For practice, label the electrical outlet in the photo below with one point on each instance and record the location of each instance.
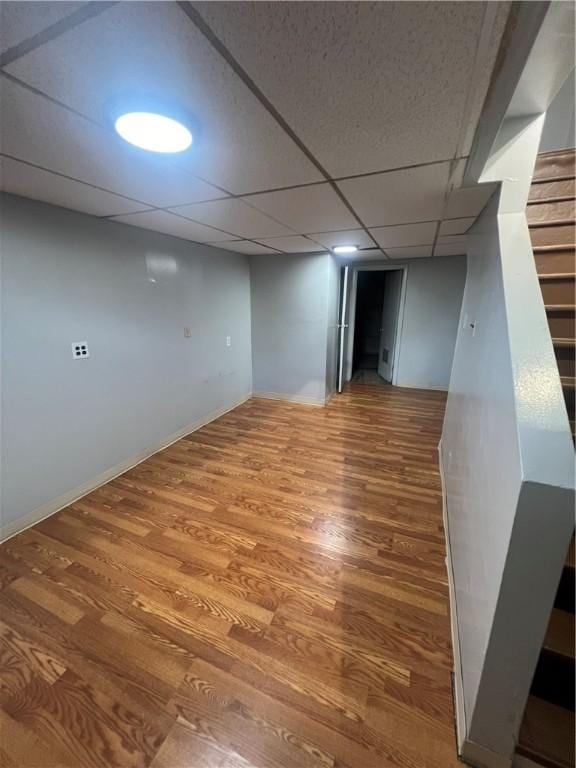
(187, 332)
(80, 350)
(228, 341)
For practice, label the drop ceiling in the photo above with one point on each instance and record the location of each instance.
(315, 123)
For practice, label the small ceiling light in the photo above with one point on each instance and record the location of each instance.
(153, 132)
(342, 249)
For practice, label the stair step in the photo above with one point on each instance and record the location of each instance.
(569, 382)
(552, 166)
(547, 223)
(561, 321)
(547, 734)
(548, 247)
(559, 342)
(552, 259)
(552, 190)
(551, 214)
(557, 289)
(557, 276)
(560, 634)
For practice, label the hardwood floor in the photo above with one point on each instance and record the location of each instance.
(269, 591)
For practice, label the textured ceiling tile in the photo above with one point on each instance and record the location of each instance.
(307, 209)
(399, 197)
(21, 20)
(26, 181)
(346, 237)
(169, 224)
(36, 130)
(411, 252)
(247, 248)
(295, 244)
(235, 216)
(456, 226)
(405, 234)
(468, 201)
(390, 80)
(153, 47)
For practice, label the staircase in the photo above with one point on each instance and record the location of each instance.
(547, 733)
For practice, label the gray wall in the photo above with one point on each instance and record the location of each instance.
(431, 312)
(507, 460)
(558, 130)
(129, 293)
(290, 317)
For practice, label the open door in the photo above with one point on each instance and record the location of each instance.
(342, 325)
(392, 291)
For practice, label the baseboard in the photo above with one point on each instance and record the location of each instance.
(291, 398)
(470, 752)
(459, 710)
(480, 757)
(421, 386)
(55, 505)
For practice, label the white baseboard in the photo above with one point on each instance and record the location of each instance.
(480, 757)
(55, 505)
(459, 710)
(291, 398)
(420, 386)
(472, 753)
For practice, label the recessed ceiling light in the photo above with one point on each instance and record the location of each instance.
(154, 132)
(345, 249)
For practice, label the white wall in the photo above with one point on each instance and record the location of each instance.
(129, 293)
(434, 291)
(506, 456)
(290, 316)
(559, 127)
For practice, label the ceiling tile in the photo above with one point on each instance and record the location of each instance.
(295, 244)
(19, 21)
(468, 201)
(456, 226)
(345, 237)
(246, 247)
(169, 224)
(411, 252)
(306, 209)
(36, 130)
(399, 197)
(405, 234)
(235, 216)
(153, 46)
(27, 181)
(384, 93)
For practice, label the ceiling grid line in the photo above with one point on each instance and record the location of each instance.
(79, 16)
(196, 18)
(389, 211)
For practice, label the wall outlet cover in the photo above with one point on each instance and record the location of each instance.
(80, 350)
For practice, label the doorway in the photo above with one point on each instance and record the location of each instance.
(374, 319)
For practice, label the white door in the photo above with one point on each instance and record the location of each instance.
(342, 325)
(390, 307)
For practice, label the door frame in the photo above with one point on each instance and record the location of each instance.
(350, 335)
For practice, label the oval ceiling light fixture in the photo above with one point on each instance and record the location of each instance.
(344, 249)
(153, 132)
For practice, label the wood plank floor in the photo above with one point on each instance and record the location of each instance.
(269, 591)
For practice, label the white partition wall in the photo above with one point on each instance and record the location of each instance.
(507, 461)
